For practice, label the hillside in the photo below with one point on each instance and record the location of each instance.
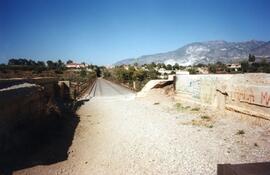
(206, 52)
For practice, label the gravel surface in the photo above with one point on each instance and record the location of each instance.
(151, 135)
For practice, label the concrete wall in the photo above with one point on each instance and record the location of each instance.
(242, 93)
(153, 84)
(26, 108)
(4, 83)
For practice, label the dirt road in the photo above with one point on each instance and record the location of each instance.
(121, 134)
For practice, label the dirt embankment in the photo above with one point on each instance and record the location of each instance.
(31, 118)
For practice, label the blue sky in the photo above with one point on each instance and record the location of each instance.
(105, 31)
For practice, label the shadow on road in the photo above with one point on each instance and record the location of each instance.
(45, 142)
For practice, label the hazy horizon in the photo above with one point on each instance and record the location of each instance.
(104, 32)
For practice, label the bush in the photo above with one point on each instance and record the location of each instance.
(240, 132)
(192, 70)
(212, 68)
(58, 71)
(83, 73)
(38, 70)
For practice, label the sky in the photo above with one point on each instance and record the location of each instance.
(105, 31)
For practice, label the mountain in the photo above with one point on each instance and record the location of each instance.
(206, 52)
(262, 50)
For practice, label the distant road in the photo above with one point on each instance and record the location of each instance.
(105, 88)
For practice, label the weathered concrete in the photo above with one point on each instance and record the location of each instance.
(26, 108)
(153, 84)
(4, 83)
(16, 107)
(242, 93)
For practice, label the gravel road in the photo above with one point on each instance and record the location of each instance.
(121, 134)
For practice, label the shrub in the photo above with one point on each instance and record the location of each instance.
(195, 109)
(240, 132)
(205, 117)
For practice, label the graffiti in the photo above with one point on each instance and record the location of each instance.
(243, 95)
(189, 85)
(239, 93)
(195, 87)
(251, 94)
(200, 88)
(265, 98)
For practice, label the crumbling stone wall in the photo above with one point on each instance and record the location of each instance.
(28, 108)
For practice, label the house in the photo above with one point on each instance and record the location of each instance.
(76, 66)
(182, 72)
(163, 71)
(203, 70)
(234, 67)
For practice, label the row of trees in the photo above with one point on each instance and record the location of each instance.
(131, 74)
(31, 63)
(153, 65)
(252, 66)
(262, 66)
(247, 66)
(23, 64)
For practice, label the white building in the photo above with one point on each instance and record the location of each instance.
(234, 67)
(76, 65)
(163, 71)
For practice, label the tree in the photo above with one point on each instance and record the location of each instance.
(41, 63)
(162, 65)
(51, 64)
(244, 66)
(152, 65)
(31, 63)
(201, 65)
(60, 65)
(98, 72)
(152, 74)
(169, 67)
(219, 63)
(83, 73)
(159, 65)
(23, 62)
(106, 73)
(251, 58)
(139, 75)
(176, 66)
(69, 62)
(136, 64)
(265, 66)
(13, 61)
(192, 70)
(212, 68)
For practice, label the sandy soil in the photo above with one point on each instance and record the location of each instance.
(154, 135)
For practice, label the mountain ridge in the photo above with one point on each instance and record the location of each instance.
(205, 52)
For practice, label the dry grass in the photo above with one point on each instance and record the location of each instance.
(180, 107)
(205, 117)
(195, 109)
(240, 132)
(203, 121)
